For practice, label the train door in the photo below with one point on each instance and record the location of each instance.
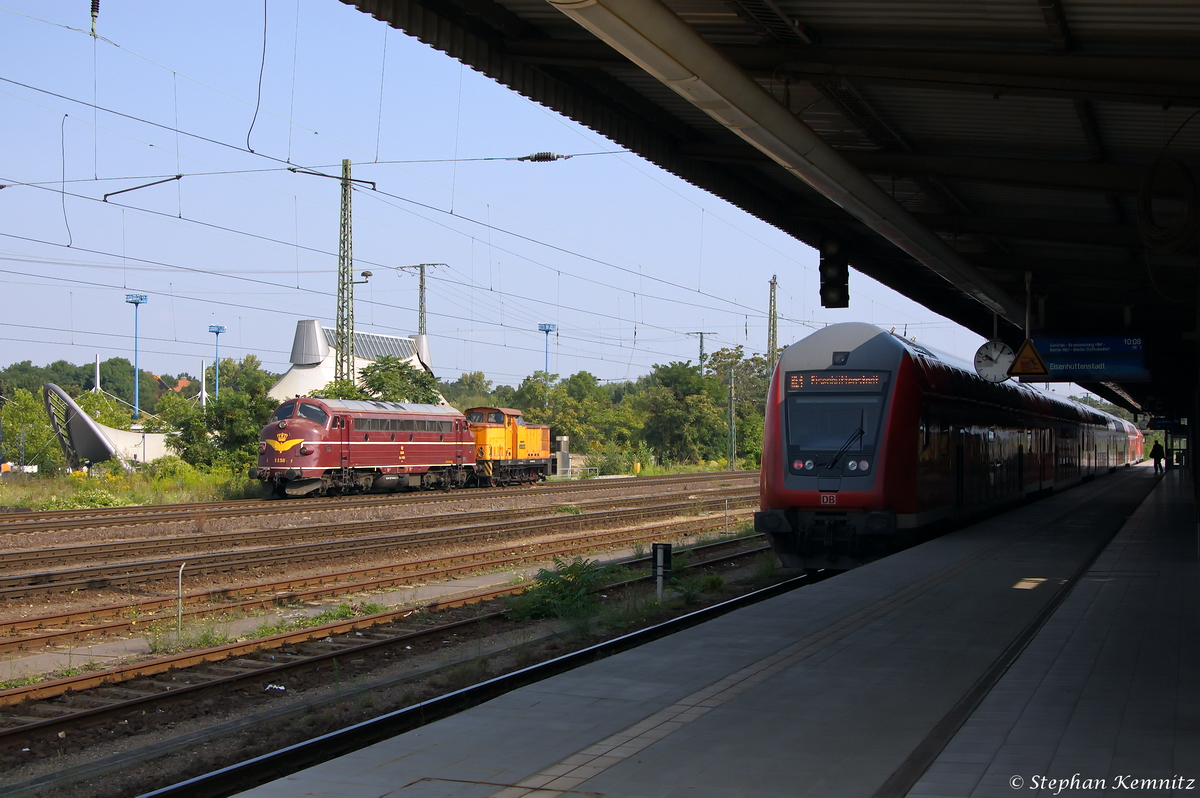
(346, 426)
(459, 442)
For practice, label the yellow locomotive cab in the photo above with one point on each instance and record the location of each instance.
(508, 450)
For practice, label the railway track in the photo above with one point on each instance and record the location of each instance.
(26, 634)
(380, 538)
(16, 523)
(45, 719)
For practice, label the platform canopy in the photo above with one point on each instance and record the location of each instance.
(954, 149)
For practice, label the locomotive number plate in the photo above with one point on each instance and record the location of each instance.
(828, 498)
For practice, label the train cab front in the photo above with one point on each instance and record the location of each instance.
(823, 501)
(290, 449)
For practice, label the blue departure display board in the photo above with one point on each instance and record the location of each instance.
(1098, 359)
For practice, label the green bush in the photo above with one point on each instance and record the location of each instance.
(82, 499)
(565, 592)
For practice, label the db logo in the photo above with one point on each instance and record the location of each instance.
(828, 498)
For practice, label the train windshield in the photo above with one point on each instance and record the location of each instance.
(284, 411)
(827, 422)
(313, 413)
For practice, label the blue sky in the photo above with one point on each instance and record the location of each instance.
(624, 258)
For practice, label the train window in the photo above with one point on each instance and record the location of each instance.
(495, 418)
(475, 417)
(827, 422)
(991, 434)
(360, 424)
(284, 411)
(313, 413)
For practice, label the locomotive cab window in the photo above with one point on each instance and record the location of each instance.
(284, 411)
(834, 412)
(313, 413)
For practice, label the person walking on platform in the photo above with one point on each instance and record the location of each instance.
(1158, 454)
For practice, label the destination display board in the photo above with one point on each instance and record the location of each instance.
(1095, 359)
(836, 381)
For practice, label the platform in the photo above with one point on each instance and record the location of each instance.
(881, 681)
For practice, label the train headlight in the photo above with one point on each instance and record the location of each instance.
(304, 450)
(809, 465)
(852, 465)
(797, 465)
(863, 465)
(262, 448)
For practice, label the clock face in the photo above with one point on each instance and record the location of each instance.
(993, 361)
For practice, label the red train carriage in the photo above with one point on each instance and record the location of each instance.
(322, 446)
(872, 443)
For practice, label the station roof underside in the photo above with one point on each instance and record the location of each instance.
(1005, 140)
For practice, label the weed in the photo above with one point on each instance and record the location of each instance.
(636, 606)
(461, 675)
(77, 670)
(569, 509)
(639, 550)
(163, 637)
(765, 565)
(23, 681)
(341, 612)
(565, 592)
(690, 589)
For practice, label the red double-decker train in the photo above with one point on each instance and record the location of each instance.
(873, 443)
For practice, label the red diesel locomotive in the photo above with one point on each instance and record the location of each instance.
(328, 446)
(871, 443)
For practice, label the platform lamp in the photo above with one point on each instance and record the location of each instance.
(135, 300)
(216, 330)
(547, 329)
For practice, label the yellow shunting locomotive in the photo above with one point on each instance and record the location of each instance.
(507, 449)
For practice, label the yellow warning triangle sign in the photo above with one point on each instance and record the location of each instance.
(1028, 362)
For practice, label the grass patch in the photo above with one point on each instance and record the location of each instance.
(634, 607)
(164, 637)
(165, 481)
(342, 612)
(570, 509)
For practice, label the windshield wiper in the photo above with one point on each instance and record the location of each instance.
(856, 435)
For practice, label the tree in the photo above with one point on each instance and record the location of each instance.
(104, 410)
(533, 394)
(751, 381)
(25, 432)
(683, 423)
(225, 434)
(388, 379)
(682, 428)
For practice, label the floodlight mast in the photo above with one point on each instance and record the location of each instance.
(136, 300)
(216, 330)
(547, 329)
